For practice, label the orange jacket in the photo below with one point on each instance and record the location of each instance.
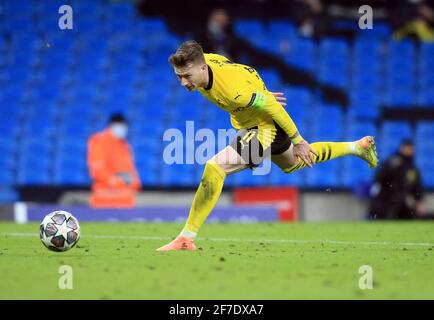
(108, 156)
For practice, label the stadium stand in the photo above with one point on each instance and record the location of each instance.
(59, 86)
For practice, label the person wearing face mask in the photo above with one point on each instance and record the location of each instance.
(111, 166)
(397, 191)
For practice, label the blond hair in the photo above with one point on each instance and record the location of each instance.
(188, 52)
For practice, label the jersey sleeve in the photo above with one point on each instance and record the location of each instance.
(96, 160)
(263, 101)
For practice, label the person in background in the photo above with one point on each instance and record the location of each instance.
(217, 35)
(315, 20)
(111, 166)
(397, 190)
(413, 19)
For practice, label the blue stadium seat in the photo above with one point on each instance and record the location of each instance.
(248, 28)
(11, 7)
(367, 96)
(149, 165)
(404, 97)
(9, 127)
(8, 159)
(39, 127)
(33, 145)
(7, 177)
(401, 49)
(144, 147)
(425, 129)
(34, 171)
(427, 50)
(302, 54)
(71, 147)
(246, 178)
(424, 145)
(71, 175)
(333, 48)
(152, 25)
(355, 129)
(397, 81)
(428, 177)
(323, 175)
(426, 97)
(270, 77)
(425, 163)
(355, 171)
(365, 79)
(336, 77)
(396, 129)
(278, 177)
(426, 78)
(380, 30)
(8, 194)
(73, 128)
(281, 28)
(112, 57)
(364, 110)
(298, 97)
(321, 130)
(178, 175)
(364, 49)
(148, 178)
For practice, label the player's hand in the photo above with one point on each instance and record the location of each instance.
(126, 177)
(280, 97)
(304, 151)
(115, 182)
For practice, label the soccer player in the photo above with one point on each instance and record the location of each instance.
(264, 129)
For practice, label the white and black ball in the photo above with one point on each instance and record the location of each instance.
(59, 231)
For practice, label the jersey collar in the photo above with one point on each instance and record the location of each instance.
(211, 78)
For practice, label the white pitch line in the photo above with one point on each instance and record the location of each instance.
(292, 241)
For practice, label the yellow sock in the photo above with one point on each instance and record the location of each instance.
(326, 151)
(205, 199)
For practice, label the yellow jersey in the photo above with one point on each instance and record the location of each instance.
(239, 90)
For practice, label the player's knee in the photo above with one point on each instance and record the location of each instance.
(227, 168)
(288, 167)
(287, 170)
(216, 165)
(212, 162)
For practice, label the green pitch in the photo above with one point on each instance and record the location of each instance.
(235, 261)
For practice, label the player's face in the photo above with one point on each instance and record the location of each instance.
(191, 76)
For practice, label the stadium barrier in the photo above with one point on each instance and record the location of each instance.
(247, 213)
(285, 198)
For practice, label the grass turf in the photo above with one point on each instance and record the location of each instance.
(235, 261)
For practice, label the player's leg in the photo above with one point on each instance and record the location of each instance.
(226, 162)
(363, 148)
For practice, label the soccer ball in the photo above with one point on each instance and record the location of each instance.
(59, 231)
